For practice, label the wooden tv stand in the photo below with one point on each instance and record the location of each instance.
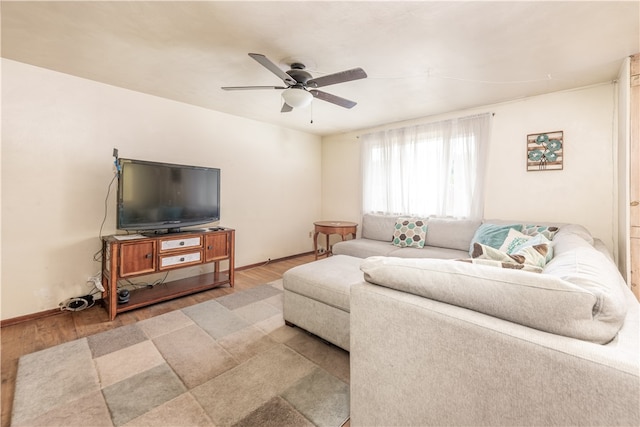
(124, 258)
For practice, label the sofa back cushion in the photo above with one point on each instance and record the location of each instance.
(451, 233)
(441, 232)
(378, 227)
(582, 299)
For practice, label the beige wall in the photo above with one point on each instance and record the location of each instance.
(58, 133)
(583, 192)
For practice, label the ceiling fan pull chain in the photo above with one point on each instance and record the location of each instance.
(311, 113)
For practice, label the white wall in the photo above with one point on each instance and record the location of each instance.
(583, 192)
(58, 133)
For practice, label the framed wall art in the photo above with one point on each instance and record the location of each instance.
(545, 151)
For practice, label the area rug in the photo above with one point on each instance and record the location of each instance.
(225, 362)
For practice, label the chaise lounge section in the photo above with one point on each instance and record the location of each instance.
(424, 354)
(317, 297)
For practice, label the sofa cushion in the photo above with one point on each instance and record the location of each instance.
(409, 232)
(363, 248)
(450, 233)
(574, 230)
(566, 240)
(378, 227)
(585, 302)
(427, 252)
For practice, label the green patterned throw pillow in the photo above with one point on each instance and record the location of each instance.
(410, 233)
(534, 230)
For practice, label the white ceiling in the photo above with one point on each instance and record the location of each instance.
(422, 58)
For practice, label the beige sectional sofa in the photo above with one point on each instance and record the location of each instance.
(436, 341)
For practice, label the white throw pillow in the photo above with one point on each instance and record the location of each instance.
(514, 239)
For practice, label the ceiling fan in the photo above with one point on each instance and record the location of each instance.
(300, 87)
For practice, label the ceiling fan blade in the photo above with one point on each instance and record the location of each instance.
(333, 99)
(266, 63)
(251, 87)
(343, 76)
(286, 108)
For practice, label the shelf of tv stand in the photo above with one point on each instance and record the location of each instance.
(145, 296)
(124, 259)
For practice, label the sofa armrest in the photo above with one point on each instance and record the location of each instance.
(415, 361)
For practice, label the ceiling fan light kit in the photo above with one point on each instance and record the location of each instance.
(296, 94)
(297, 97)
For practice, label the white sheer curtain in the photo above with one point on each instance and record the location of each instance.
(430, 169)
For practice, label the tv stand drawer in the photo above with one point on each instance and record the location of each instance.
(175, 244)
(180, 260)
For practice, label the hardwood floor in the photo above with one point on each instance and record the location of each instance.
(38, 334)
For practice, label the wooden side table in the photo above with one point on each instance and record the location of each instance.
(343, 228)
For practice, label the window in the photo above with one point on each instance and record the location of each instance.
(431, 169)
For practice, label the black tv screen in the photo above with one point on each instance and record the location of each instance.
(158, 196)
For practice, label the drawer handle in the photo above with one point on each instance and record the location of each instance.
(182, 259)
(181, 243)
(635, 203)
(148, 255)
(209, 247)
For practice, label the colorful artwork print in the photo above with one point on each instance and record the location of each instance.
(545, 151)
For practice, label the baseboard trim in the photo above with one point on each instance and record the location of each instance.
(260, 264)
(55, 311)
(27, 317)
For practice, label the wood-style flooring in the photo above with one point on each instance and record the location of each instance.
(38, 334)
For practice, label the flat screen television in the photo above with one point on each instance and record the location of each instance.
(164, 196)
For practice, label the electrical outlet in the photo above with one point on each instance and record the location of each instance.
(310, 234)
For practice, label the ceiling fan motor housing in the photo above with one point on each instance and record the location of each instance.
(298, 74)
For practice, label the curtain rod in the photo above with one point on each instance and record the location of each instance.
(429, 123)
